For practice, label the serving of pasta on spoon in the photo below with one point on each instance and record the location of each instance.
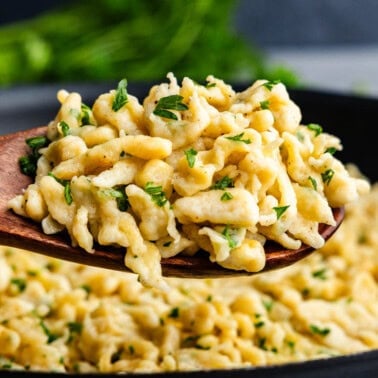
(193, 181)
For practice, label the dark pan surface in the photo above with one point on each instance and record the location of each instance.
(354, 119)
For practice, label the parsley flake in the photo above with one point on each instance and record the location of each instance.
(120, 97)
(191, 156)
(86, 115)
(174, 313)
(331, 150)
(238, 138)
(280, 210)
(227, 234)
(327, 176)
(264, 104)
(319, 331)
(313, 182)
(223, 183)
(156, 193)
(28, 163)
(64, 127)
(50, 336)
(67, 188)
(317, 129)
(226, 196)
(320, 274)
(270, 84)
(20, 283)
(168, 103)
(118, 192)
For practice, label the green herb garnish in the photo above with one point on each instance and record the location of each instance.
(327, 176)
(238, 138)
(320, 274)
(232, 243)
(86, 115)
(120, 97)
(280, 210)
(270, 84)
(319, 331)
(64, 127)
(67, 188)
(50, 336)
(74, 328)
(331, 150)
(166, 104)
(223, 183)
(264, 104)
(20, 283)
(317, 129)
(118, 192)
(28, 163)
(191, 156)
(174, 313)
(156, 193)
(313, 182)
(226, 196)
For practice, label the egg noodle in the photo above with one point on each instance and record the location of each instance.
(212, 169)
(63, 317)
(194, 167)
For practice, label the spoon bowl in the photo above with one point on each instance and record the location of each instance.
(20, 232)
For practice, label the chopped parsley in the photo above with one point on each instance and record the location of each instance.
(264, 104)
(327, 176)
(120, 97)
(64, 127)
(317, 129)
(211, 85)
(74, 328)
(50, 336)
(320, 274)
(67, 188)
(259, 324)
(166, 104)
(226, 196)
(270, 84)
(174, 313)
(319, 331)
(268, 304)
(238, 138)
(280, 210)
(232, 243)
(118, 192)
(223, 183)
(20, 283)
(28, 163)
(156, 193)
(191, 156)
(313, 182)
(331, 150)
(86, 115)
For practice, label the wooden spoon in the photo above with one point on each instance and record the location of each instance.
(20, 232)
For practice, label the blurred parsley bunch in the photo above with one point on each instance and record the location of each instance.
(138, 39)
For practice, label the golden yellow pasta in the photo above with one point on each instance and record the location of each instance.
(190, 167)
(64, 317)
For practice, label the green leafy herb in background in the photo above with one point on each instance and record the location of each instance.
(140, 39)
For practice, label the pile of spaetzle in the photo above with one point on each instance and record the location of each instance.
(193, 167)
(57, 316)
